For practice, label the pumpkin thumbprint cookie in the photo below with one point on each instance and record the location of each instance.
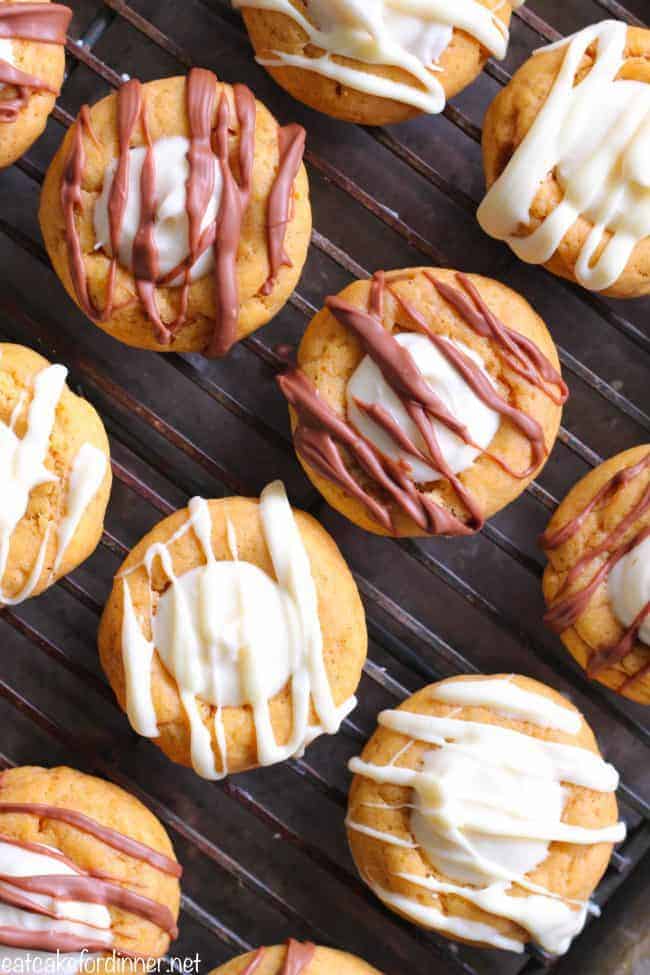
(296, 958)
(482, 809)
(566, 147)
(376, 63)
(597, 581)
(234, 634)
(32, 62)
(89, 877)
(424, 401)
(177, 215)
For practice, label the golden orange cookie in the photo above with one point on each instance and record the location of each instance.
(481, 809)
(234, 634)
(565, 162)
(56, 476)
(296, 959)
(424, 401)
(102, 858)
(176, 213)
(32, 62)
(374, 66)
(597, 581)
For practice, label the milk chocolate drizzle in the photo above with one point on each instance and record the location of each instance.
(45, 23)
(111, 837)
(297, 958)
(234, 201)
(255, 962)
(292, 148)
(223, 234)
(320, 431)
(517, 351)
(81, 886)
(93, 890)
(568, 606)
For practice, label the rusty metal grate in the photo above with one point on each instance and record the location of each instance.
(265, 853)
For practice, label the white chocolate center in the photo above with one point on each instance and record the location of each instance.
(595, 137)
(462, 796)
(629, 588)
(368, 385)
(210, 648)
(171, 227)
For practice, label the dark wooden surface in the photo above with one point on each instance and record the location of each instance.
(265, 854)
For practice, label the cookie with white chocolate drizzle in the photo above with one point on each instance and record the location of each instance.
(424, 401)
(86, 870)
(234, 634)
(32, 61)
(296, 958)
(597, 581)
(56, 478)
(481, 809)
(566, 147)
(376, 62)
(177, 215)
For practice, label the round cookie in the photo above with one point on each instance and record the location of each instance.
(103, 858)
(57, 477)
(374, 66)
(415, 364)
(596, 583)
(177, 215)
(481, 809)
(296, 959)
(234, 634)
(573, 195)
(32, 62)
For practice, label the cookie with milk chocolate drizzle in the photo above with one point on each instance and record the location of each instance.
(296, 958)
(44, 23)
(320, 432)
(602, 548)
(215, 175)
(49, 902)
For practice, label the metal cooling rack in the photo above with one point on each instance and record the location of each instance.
(265, 853)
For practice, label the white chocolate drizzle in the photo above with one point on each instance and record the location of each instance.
(171, 225)
(487, 803)
(232, 636)
(23, 462)
(406, 34)
(595, 137)
(511, 701)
